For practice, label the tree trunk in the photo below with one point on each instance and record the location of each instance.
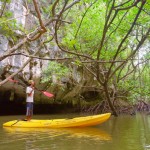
(109, 100)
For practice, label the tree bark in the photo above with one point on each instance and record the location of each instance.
(109, 100)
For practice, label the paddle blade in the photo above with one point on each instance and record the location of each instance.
(47, 94)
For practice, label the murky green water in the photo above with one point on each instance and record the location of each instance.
(122, 133)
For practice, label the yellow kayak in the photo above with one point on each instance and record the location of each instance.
(60, 123)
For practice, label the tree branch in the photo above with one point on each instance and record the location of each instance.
(131, 55)
(19, 70)
(42, 29)
(124, 39)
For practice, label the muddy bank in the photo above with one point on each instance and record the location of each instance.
(129, 109)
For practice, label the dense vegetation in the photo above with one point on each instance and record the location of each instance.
(106, 42)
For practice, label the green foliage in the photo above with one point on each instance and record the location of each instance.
(85, 34)
(6, 1)
(8, 14)
(7, 24)
(137, 85)
(29, 1)
(56, 69)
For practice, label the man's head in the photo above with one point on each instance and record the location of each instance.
(31, 82)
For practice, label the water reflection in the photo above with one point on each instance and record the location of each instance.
(44, 139)
(42, 133)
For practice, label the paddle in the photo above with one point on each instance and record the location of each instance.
(44, 92)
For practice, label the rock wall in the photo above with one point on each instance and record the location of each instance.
(33, 70)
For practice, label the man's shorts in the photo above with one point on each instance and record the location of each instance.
(29, 111)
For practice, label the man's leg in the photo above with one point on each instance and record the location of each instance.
(28, 111)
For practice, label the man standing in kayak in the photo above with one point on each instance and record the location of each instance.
(29, 100)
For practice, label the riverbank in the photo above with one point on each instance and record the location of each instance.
(121, 108)
(11, 108)
(19, 108)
